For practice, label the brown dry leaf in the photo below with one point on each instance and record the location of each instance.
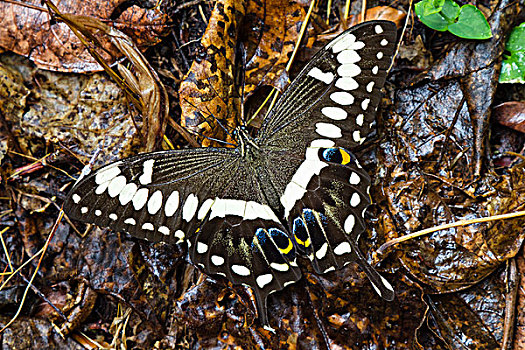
(511, 114)
(280, 22)
(29, 30)
(210, 93)
(87, 110)
(386, 13)
(142, 86)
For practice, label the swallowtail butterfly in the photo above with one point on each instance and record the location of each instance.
(295, 190)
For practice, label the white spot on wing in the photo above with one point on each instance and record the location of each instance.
(346, 83)
(116, 185)
(379, 55)
(113, 216)
(375, 70)
(148, 226)
(378, 29)
(360, 119)
(127, 193)
(318, 74)
(240, 270)
(345, 42)
(356, 135)
(343, 98)
(364, 104)
(328, 130)
(155, 202)
(334, 113)
(217, 260)
(204, 209)
(140, 198)
(190, 207)
(98, 212)
(322, 143)
(280, 267)
(101, 188)
(76, 198)
(164, 230)
(263, 280)
(348, 56)
(181, 236)
(349, 70)
(354, 179)
(107, 174)
(370, 86)
(172, 203)
(321, 253)
(202, 247)
(355, 199)
(130, 221)
(343, 248)
(147, 172)
(84, 210)
(384, 42)
(349, 223)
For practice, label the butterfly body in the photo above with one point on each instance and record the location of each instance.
(295, 189)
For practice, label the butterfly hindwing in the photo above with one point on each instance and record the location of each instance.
(256, 252)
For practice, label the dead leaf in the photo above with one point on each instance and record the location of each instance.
(211, 92)
(27, 29)
(511, 114)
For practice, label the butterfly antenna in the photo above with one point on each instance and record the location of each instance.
(223, 127)
(241, 77)
(207, 119)
(212, 138)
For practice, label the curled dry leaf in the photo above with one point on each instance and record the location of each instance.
(143, 85)
(511, 114)
(27, 29)
(211, 92)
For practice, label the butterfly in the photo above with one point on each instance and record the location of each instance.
(294, 190)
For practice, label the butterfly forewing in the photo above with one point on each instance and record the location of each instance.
(246, 213)
(336, 95)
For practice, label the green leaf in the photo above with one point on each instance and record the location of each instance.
(516, 40)
(513, 69)
(471, 24)
(450, 11)
(434, 20)
(426, 8)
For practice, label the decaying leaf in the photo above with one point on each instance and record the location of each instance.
(511, 114)
(74, 110)
(210, 95)
(26, 28)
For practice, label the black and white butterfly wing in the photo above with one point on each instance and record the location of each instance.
(329, 108)
(207, 197)
(246, 213)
